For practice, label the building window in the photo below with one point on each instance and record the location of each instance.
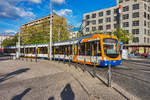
(126, 24)
(115, 18)
(135, 6)
(144, 39)
(126, 16)
(135, 39)
(100, 21)
(145, 6)
(94, 15)
(145, 31)
(144, 14)
(108, 19)
(93, 28)
(100, 28)
(135, 31)
(87, 16)
(93, 22)
(147, 40)
(116, 11)
(144, 23)
(108, 12)
(120, 1)
(87, 29)
(135, 23)
(149, 9)
(127, 31)
(148, 24)
(135, 15)
(115, 25)
(108, 27)
(100, 14)
(148, 32)
(148, 16)
(126, 8)
(87, 23)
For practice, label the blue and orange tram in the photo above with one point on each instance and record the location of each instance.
(96, 49)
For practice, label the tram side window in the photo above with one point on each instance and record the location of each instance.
(82, 49)
(88, 49)
(97, 49)
(22, 50)
(70, 50)
(59, 50)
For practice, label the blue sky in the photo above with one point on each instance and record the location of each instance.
(26, 10)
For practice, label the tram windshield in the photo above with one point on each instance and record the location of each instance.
(110, 47)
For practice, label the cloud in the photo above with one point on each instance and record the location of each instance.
(10, 31)
(64, 12)
(58, 1)
(9, 10)
(34, 1)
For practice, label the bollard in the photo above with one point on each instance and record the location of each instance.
(31, 59)
(109, 75)
(84, 68)
(94, 72)
(36, 59)
(69, 61)
(26, 59)
(64, 60)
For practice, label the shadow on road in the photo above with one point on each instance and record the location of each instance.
(2, 58)
(51, 98)
(67, 93)
(12, 74)
(21, 95)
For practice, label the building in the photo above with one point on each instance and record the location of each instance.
(43, 25)
(131, 15)
(3, 37)
(73, 32)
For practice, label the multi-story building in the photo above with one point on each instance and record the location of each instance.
(43, 25)
(134, 17)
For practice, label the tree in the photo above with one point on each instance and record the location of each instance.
(122, 35)
(10, 41)
(39, 33)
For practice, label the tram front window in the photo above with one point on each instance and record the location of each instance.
(110, 47)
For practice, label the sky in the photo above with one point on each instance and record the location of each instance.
(14, 11)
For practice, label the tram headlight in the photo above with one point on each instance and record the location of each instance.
(105, 58)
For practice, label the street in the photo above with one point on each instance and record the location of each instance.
(133, 77)
(18, 77)
(45, 80)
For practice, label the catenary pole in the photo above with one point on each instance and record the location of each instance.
(19, 40)
(50, 35)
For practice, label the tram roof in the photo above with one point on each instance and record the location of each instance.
(59, 43)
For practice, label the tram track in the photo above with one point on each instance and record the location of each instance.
(132, 77)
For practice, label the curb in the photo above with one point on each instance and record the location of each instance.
(120, 90)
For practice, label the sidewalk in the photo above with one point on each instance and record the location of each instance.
(139, 59)
(46, 80)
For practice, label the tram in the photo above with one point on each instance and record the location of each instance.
(93, 49)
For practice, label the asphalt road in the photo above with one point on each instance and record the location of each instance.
(2, 58)
(133, 77)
